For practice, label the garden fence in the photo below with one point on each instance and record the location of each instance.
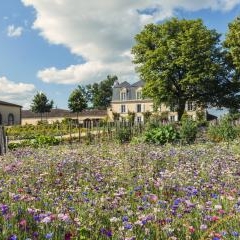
(3, 143)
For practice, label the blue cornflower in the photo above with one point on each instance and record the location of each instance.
(177, 201)
(214, 195)
(48, 235)
(125, 218)
(216, 238)
(235, 234)
(13, 237)
(128, 226)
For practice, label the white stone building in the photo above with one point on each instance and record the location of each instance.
(10, 114)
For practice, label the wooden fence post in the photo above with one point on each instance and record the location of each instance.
(3, 141)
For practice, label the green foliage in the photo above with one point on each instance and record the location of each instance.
(223, 131)
(116, 116)
(181, 60)
(231, 42)
(123, 134)
(100, 94)
(38, 141)
(40, 104)
(77, 100)
(131, 117)
(30, 131)
(188, 131)
(42, 140)
(146, 116)
(161, 135)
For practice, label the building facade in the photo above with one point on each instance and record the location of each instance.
(128, 98)
(86, 118)
(10, 114)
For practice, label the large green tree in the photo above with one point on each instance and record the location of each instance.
(100, 94)
(180, 61)
(232, 48)
(232, 42)
(41, 104)
(77, 100)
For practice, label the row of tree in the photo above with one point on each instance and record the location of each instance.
(96, 95)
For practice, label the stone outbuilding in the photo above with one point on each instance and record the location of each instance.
(10, 114)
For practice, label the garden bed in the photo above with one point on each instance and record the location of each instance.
(113, 191)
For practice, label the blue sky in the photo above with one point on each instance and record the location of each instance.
(52, 46)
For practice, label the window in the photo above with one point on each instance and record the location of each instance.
(123, 108)
(0, 119)
(10, 119)
(190, 106)
(123, 96)
(139, 94)
(172, 118)
(139, 107)
(139, 119)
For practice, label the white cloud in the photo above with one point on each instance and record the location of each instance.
(19, 93)
(13, 31)
(102, 32)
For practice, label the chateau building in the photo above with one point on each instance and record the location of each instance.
(128, 98)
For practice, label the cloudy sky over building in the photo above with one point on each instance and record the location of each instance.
(52, 46)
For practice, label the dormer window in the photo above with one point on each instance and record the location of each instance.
(139, 94)
(123, 95)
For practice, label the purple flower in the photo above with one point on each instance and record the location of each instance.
(235, 234)
(48, 235)
(4, 209)
(125, 218)
(128, 225)
(13, 237)
(106, 232)
(214, 195)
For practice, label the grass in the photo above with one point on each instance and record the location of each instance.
(113, 191)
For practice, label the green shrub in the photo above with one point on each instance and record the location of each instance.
(188, 131)
(161, 135)
(38, 141)
(45, 141)
(224, 131)
(123, 134)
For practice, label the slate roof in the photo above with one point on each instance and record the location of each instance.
(138, 84)
(128, 85)
(9, 104)
(123, 84)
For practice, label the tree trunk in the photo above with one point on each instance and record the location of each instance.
(181, 108)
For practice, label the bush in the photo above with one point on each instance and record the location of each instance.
(224, 131)
(39, 141)
(161, 135)
(188, 131)
(123, 134)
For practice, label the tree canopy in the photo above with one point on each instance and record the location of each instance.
(182, 60)
(77, 100)
(232, 42)
(100, 94)
(41, 104)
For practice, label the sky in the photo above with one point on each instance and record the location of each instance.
(52, 46)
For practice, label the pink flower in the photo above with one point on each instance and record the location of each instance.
(153, 198)
(191, 229)
(46, 220)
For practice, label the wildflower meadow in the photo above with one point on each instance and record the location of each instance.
(121, 191)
